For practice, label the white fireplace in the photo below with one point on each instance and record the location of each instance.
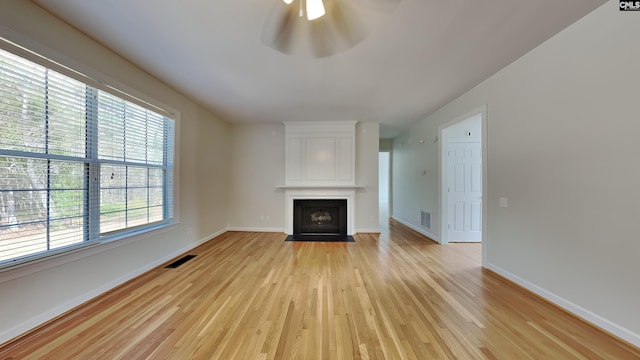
(320, 164)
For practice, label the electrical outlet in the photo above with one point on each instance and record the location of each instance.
(504, 202)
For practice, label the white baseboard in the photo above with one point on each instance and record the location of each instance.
(422, 231)
(73, 303)
(594, 319)
(252, 229)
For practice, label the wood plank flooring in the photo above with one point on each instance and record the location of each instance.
(254, 296)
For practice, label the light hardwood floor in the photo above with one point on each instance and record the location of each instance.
(253, 296)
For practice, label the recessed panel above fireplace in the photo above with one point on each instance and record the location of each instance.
(320, 153)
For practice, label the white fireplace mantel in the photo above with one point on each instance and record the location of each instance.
(319, 187)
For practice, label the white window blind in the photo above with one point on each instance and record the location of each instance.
(77, 164)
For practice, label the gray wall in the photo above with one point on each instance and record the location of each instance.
(562, 146)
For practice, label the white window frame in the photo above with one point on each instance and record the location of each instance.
(38, 53)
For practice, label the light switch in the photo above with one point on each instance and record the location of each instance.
(504, 202)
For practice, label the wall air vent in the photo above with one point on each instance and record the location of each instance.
(425, 219)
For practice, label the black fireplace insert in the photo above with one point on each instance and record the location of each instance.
(320, 220)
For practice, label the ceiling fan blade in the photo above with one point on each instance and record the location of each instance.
(279, 27)
(344, 20)
(379, 5)
(321, 41)
(338, 30)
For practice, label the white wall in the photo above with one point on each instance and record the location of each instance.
(462, 129)
(412, 190)
(367, 148)
(258, 161)
(562, 146)
(27, 301)
(257, 158)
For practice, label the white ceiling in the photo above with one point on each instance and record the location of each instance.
(414, 59)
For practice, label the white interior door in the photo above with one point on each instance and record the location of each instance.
(464, 191)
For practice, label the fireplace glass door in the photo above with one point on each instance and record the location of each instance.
(320, 217)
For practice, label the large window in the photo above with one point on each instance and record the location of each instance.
(77, 164)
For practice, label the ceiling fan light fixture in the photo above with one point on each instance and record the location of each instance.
(315, 9)
(312, 9)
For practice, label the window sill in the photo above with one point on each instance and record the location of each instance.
(30, 266)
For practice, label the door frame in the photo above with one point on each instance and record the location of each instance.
(443, 179)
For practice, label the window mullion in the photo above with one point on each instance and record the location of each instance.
(126, 196)
(146, 160)
(126, 170)
(165, 192)
(46, 151)
(92, 179)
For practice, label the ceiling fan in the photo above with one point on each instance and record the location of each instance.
(318, 28)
